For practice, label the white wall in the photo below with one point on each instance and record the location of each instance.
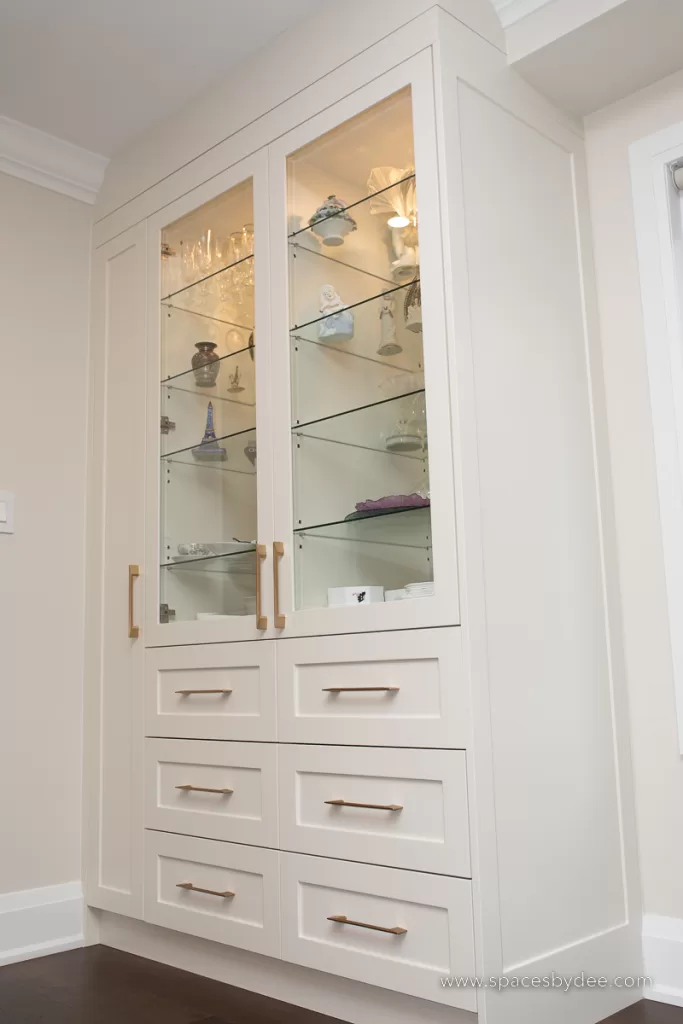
(44, 273)
(658, 765)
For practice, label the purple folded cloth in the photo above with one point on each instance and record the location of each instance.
(393, 501)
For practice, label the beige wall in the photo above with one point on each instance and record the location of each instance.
(44, 255)
(657, 763)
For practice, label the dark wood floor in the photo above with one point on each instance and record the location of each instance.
(99, 985)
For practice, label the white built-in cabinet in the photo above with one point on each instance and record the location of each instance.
(383, 784)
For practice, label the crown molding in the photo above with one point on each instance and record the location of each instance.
(45, 160)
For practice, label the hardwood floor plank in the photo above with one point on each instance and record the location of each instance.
(100, 985)
(648, 1012)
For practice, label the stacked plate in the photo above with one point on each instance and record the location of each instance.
(420, 589)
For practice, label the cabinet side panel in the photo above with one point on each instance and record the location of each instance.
(116, 537)
(559, 840)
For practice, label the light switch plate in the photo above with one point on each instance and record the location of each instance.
(6, 512)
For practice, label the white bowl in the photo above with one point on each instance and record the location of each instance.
(332, 230)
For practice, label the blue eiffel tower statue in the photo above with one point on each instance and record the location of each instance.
(209, 449)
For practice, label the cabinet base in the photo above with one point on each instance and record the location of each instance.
(346, 1000)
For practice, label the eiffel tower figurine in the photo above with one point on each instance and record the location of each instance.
(209, 449)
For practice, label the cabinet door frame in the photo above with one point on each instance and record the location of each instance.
(114, 662)
(442, 609)
(237, 628)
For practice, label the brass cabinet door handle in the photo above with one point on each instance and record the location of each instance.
(261, 620)
(205, 789)
(133, 630)
(342, 919)
(361, 689)
(188, 693)
(210, 892)
(278, 553)
(370, 807)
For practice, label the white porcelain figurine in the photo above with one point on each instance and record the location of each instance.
(388, 345)
(338, 322)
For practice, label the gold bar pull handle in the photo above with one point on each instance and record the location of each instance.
(278, 553)
(188, 693)
(205, 789)
(261, 620)
(370, 807)
(361, 689)
(210, 892)
(133, 630)
(342, 919)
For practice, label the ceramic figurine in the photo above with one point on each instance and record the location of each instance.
(209, 449)
(331, 222)
(338, 322)
(412, 308)
(388, 346)
(206, 364)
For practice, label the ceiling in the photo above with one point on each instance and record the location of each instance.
(100, 74)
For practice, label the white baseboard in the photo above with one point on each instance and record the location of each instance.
(36, 922)
(663, 955)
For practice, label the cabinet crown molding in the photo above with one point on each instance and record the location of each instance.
(53, 163)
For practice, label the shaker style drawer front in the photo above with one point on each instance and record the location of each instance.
(404, 808)
(212, 789)
(213, 691)
(218, 891)
(389, 689)
(397, 929)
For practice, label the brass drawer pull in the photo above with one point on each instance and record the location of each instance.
(205, 789)
(370, 807)
(261, 619)
(209, 892)
(342, 919)
(361, 689)
(278, 553)
(188, 693)
(133, 630)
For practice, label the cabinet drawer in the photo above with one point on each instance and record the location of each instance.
(213, 789)
(424, 921)
(241, 907)
(415, 814)
(211, 691)
(380, 689)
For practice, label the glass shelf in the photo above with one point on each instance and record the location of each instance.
(297, 250)
(200, 282)
(358, 205)
(395, 427)
(237, 562)
(362, 302)
(176, 377)
(233, 444)
(366, 528)
(173, 307)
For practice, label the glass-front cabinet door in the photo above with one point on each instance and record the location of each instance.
(363, 466)
(212, 512)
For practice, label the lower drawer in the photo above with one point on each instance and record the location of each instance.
(401, 930)
(219, 891)
(215, 789)
(403, 808)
